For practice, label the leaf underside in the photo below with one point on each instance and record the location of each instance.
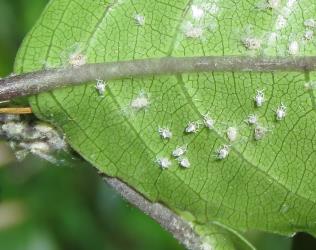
(265, 184)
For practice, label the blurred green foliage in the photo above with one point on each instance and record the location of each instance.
(46, 207)
(16, 19)
(71, 208)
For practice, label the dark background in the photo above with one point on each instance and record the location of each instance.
(46, 207)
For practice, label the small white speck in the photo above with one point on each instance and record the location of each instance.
(36, 146)
(184, 162)
(259, 98)
(280, 22)
(9, 117)
(21, 154)
(100, 87)
(252, 43)
(43, 128)
(294, 48)
(212, 8)
(212, 26)
(197, 12)
(232, 133)
(310, 85)
(208, 121)
(77, 60)
(280, 112)
(259, 132)
(192, 127)
(252, 119)
(273, 37)
(222, 152)
(139, 19)
(206, 246)
(273, 4)
(179, 151)
(57, 142)
(192, 31)
(13, 145)
(291, 3)
(308, 35)
(140, 102)
(310, 23)
(163, 162)
(165, 133)
(44, 156)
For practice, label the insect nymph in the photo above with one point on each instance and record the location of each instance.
(259, 98)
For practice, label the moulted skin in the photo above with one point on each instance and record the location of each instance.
(243, 183)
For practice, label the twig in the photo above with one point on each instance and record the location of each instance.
(16, 111)
(180, 229)
(41, 81)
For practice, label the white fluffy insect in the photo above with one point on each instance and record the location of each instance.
(232, 133)
(222, 152)
(197, 12)
(101, 87)
(252, 43)
(259, 132)
(308, 35)
(294, 48)
(44, 129)
(14, 129)
(139, 19)
(179, 151)
(165, 133)
(163, 162)
(290, 3)
(310, 23)
(272, 38)
(40, 139)
(259, 98)
(280, 22)
(20, 155)
(280, 112)
(208, 121)
(140, 102)
(252, 119)
(192, 127)
(184, 162)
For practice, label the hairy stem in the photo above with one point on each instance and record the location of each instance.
(41, 81)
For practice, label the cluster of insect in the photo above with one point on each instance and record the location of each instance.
(208, 122)
(24, 138)
(284, 12)
(179, 154)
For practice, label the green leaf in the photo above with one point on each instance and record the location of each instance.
(266, 184)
